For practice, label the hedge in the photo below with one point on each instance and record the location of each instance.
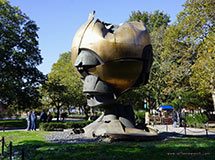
(15, 124)
(59, 126)
(19, 123)
(196, 120)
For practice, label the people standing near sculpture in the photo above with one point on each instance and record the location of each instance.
(43, 116)
(49, 118)
(33, 121)
(28, 118)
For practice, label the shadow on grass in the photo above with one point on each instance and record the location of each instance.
(168, 135)
(177, 149)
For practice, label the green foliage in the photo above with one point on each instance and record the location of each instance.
(152, 21)
(203, 77)
(19, 57)
(189, 47)
(59, 126)
(184, 58)
(55, 94)
(67, 75)
(52, 126)
(140, 116)
(156, 22)
(196, 120)
(15, 124)
(63, 87)
(78, 124)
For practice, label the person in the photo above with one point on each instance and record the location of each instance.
(147, 118)
(49, 118)
(183, 118)
(33, 121)
(175, 118)
(28, 118)
(43, 116)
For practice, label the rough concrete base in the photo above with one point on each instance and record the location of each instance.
(112, 127)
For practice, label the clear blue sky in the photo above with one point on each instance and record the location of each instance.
(58, 20)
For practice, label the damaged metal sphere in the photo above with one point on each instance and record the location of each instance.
(111, 58)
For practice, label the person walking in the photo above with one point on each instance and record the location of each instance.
(33, 121)
(28, 118)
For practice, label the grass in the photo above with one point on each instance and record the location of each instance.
(36, 147)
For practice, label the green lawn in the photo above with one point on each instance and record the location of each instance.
(180, 148)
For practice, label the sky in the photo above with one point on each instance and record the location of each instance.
(58, 20)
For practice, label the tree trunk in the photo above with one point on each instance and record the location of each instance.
(213, 98)
(58, 113)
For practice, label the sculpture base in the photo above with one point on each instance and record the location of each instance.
(117, 123)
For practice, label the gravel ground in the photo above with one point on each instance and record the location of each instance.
(164, 131)
(68, 137)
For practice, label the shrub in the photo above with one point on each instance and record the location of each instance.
(59, 126)
(19, 123)
(52, 126)
(79, 124)
(196, 120)
(140, 117)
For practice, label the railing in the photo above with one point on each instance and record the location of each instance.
(7, 150)
(188, 131)
(5, 147)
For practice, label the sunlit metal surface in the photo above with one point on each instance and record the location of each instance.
(124, 41)
(120, 48)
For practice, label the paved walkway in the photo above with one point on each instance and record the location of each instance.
(181, 130)
(164, 131)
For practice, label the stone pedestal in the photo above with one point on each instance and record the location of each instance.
(117, 122)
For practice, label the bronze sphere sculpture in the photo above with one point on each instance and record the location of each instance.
(111, 59)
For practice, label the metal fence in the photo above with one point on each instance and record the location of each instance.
(189, 131)
(7, 150)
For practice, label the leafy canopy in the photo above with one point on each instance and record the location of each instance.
(19, 57)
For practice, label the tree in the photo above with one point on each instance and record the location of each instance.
(56, 94)
(19, 57)
(156, 23)
(63, 87)
(203, 77)
(152, 21)
(189, 47)
(68, 76)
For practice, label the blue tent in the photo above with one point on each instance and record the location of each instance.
(166, 107)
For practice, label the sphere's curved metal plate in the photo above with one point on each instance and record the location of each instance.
(119, 55)
(125, 41)
(121, 74)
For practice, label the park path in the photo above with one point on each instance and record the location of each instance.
(165, 131)
(185, 131)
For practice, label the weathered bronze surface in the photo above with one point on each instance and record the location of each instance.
(111, 60)
(126, 41)
(119, 48)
